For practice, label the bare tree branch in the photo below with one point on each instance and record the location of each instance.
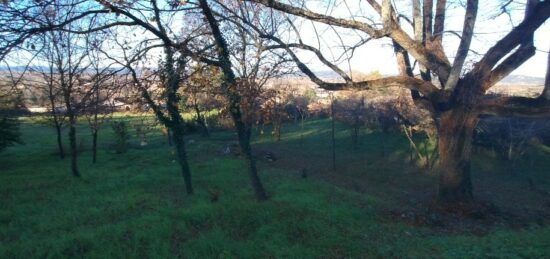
(433, 61)
(463, 48)
(508, 66)
(540, 14)
(319, 55)
(439, 21)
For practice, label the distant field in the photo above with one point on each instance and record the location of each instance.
(133, 205)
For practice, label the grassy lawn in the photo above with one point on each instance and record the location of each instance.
(133, 205)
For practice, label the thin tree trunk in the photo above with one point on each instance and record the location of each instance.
(179, 142)
(244, 141)
(244, 134)
(72, 131)
(56, 123)
(178, 133)
(94, 146)
(332, 135)
(72, 142)
(228, 85)
(454, 148)
(59, 139)
(95, 126)
(201, 121)
(277, 131)
(54, 114)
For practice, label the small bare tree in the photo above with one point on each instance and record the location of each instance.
(104, 83)
(69, 67)
(53, 93)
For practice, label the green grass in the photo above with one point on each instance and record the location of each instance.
(133, 205)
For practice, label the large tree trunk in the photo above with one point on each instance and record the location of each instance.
(179, 142)
(455, 131)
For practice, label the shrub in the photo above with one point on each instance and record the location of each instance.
(9, 132)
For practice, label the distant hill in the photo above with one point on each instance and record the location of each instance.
(522, 80)
(326, 74)
(19, 69)
(509, 80)
(329, 74)
(23, 68)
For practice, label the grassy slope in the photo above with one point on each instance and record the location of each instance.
(133, 205)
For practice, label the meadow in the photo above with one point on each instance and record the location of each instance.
(376, 204)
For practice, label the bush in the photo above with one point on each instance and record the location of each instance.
(222, 121)
(120, 129)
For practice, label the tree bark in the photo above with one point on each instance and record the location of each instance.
(455, 131)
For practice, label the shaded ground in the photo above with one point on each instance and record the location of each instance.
(380, 166)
